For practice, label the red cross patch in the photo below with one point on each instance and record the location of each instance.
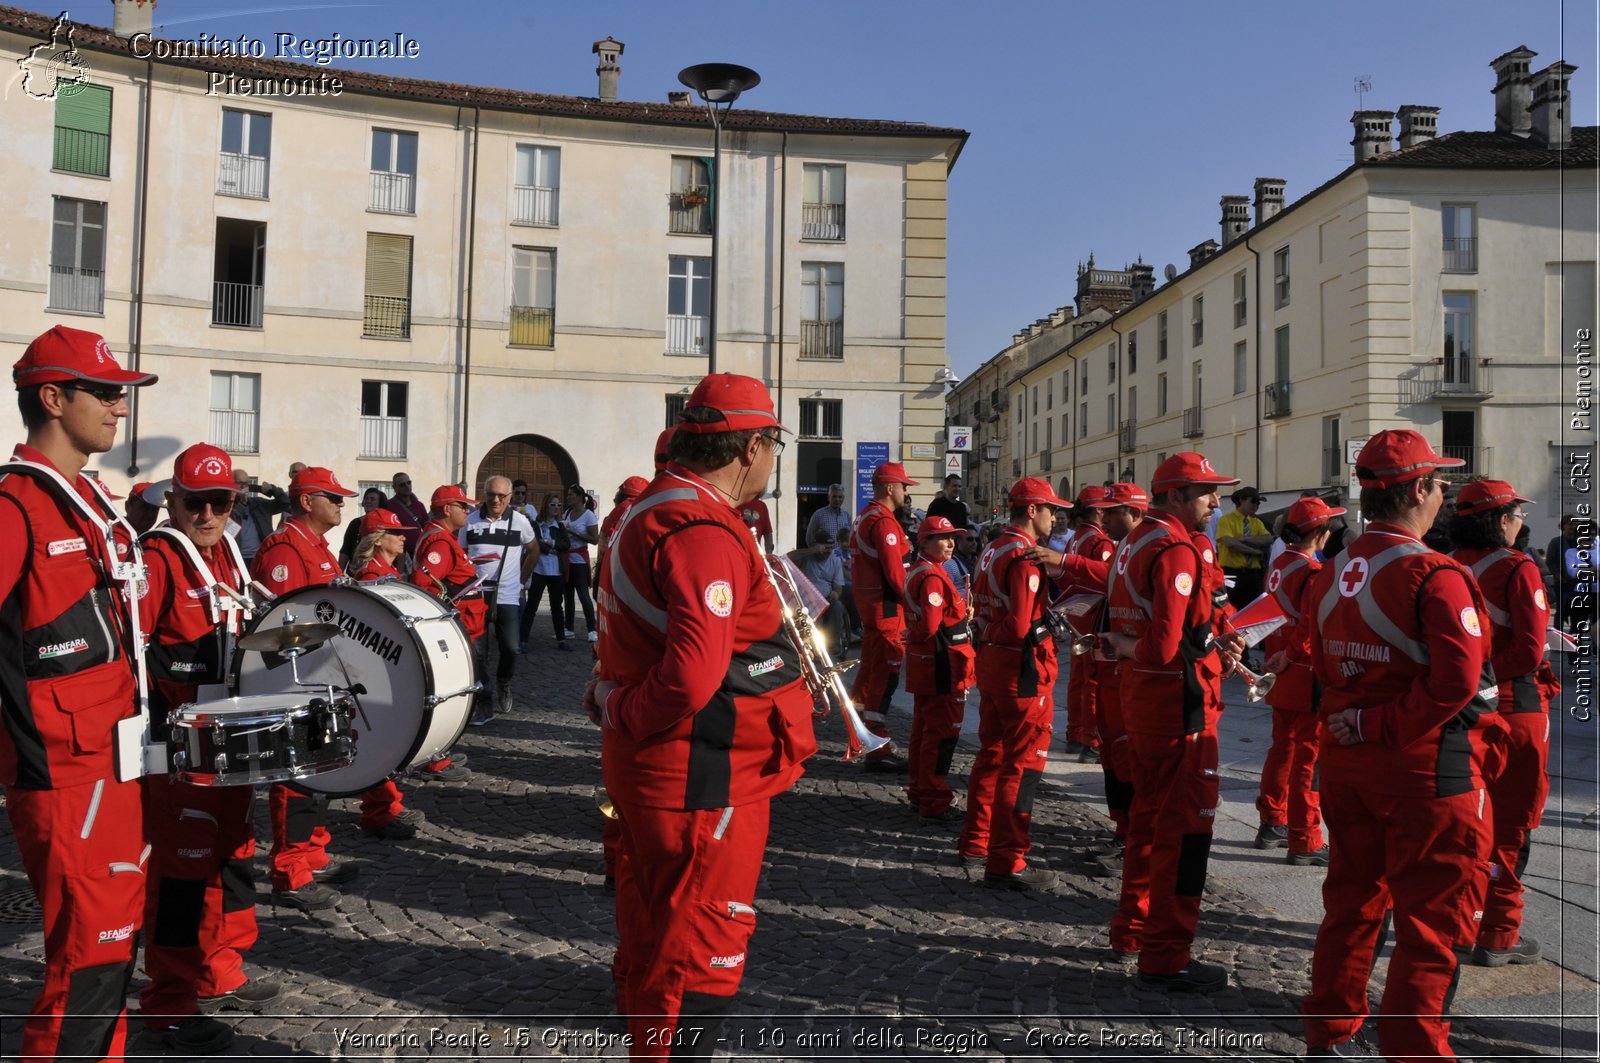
(1353, 577)
(1274, 578)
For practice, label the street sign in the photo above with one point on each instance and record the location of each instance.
(954, 464)
(960, 438)
(1352, 447)
(868, 457)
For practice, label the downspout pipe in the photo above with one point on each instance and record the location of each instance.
(1259, 317)
(472, 244)
(136, 349)
(1122, 377)
(783, 249)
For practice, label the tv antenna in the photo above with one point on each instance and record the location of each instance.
(1363, 86)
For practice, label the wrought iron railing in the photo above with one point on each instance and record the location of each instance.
(82, 290)
(689, 212)
(686, 333)
(242, 175)
(534, 204)
(1276, 400)
(387, 317)
(394, 193)
(822, 339)
(1461, 254)
(533, 326)
(234, 430)
(1194, 422)
(383, 437)
(236, 304)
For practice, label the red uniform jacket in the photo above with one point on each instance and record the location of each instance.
(1399, 633)
(1161, 595)
(376, 568)
(1010, 593)
(1296, 689)
(442, 569)
(1519, 616)
(185, 619)
(65, 673)
(711, 709)
(1093, 545)
(878, 566)
(292, 557)
(939, 651)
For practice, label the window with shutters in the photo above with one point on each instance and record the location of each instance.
(821, 310)
(394, 172)
(383, 418)
(1241, 368)
(1197, 319)
(822, 202)
(1133, 353)
(689, 201)
(822, 418)
(536, 188)
(246, 147)
(1161, 336)
(1161, 395)
(1241, 299)
(1280, 278)
(83, 129)
(533, 297)
(235, 411)
(387, 313)
(78, 256)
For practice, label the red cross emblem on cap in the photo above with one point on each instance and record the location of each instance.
(1353, 577)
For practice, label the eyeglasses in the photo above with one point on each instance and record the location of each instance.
(1519, 515)
(108, 396)
(197, 504)
(496, 494)
(776, 443)
(337, 500)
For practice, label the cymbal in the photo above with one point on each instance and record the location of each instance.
(288, 637)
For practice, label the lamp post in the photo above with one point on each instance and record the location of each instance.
(718, 84)
(991, 454)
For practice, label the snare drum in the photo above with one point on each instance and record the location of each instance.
(262, 739)
(403, 654)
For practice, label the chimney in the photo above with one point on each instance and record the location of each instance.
(1269, 197)
(1144, 280)
(678, 99)
(1513, 91)
(1235, 218)
(1418, 124)
(1552, 105)
(1202, 251)
(129, 17)
(608, 50)
(1374, 133)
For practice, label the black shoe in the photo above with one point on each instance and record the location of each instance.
(399, 828)
(1272, 837)
(1074, 748)
(336, 870)
(1106, 866)
(254, 995)
(889, 763)
(1526, 950)
(1309, 858)
(971, 863)
(1197, 977)
(196, 1035)
(1029, 878)
(480, 716)
(1089, 755)
(452, 772)
(312, 897)
(1119, 956)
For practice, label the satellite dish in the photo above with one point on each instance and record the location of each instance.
(1170, 272)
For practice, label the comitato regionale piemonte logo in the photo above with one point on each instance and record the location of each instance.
(52, 68)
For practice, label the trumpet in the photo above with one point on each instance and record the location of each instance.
(1257, 685)
(602, 801)
(823, 678)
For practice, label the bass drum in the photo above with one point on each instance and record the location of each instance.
(403, 646)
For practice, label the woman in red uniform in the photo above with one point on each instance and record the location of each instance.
(939, 659)
(1488, 517)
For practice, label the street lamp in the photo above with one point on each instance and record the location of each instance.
(991, 454)
(718, 84)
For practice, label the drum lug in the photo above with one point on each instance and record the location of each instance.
(408, 622)
(180, 761)
(221, 764)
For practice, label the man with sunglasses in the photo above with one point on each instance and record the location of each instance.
(295, 556)
(200, 908)
(411, 510)
(498, 539)
(69, 679)
(1400, 640)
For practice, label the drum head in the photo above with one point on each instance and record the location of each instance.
(380, 650)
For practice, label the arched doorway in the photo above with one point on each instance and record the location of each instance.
(542, 462)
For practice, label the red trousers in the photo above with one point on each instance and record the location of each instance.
(380, 805)
(1287, 797)
(1014, 740)
(1428, 857)
(935, 728)
(83, 850)
(686, 888)
(200, 901)
(1083, 687)
(1115, 761)
(883, 651)
(1517, 797)
(1175, 797)
(299, 836)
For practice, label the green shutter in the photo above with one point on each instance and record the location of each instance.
(83, 129)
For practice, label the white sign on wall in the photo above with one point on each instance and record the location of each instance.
(954, 464)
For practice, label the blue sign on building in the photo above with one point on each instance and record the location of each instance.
(868, 457)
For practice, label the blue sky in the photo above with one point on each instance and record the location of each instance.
(1111, 128)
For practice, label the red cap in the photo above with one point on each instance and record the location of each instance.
(1308, 514)
(1480, 496)
(1185, 468)
(1036, 491)
(443, 496)
(139, 489)
(1093, 496)
(935, 527)
(64, 354)
(203, 467)
(632, 487)
(663, 445)
(1398, 455)
(892, 472)
(314, 479)
(381, 519)
(1125, 494)
(743, 402)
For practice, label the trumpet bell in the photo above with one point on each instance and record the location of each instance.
(1258, 685)
(1083, 644)
(602, 801)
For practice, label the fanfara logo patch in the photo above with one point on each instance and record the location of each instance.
(1183, 583)
(1209, 556)
(66, 546)
(736, 960)
(1469, 620)
(891, 538)
(62, 649)
(1538, 598)
(1033, 581)
(935, 598)
(280, 573)
(719, 598)
(771, 664)
(433, 557)
(122, 933)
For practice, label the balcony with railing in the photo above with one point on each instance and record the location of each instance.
(686, 333)
(822, 339)
(1452, 378)
(79, 290)
(386, 317)
(80, 151)
(238, 305)
(1275, 400)
(1194, 422)
(394, 193)
(822, 221)
(242, 175)
(1478, 462)
(234, 430)
(383, 437)
(689, 212)
(1460, 254)
(533, 326)
(1128, 435)
(534, 204)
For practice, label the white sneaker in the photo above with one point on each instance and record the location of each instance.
(594, 636)
(569, 634)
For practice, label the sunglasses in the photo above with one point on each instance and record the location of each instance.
(337, 500)
(108, 396)
(197, 504)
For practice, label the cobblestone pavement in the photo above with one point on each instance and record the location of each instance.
(489, 935)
